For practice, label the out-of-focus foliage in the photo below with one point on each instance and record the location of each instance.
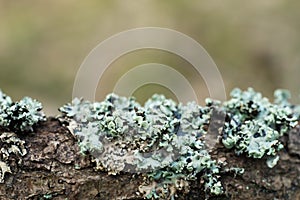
(42, 44)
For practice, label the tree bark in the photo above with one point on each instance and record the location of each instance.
(53, 168)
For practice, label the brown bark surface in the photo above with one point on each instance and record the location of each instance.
(55, 169)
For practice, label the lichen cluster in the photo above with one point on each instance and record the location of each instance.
(11, 150)
(282, 98)
(166, 142)
(19, 116)
(254, 125)
(162, 139)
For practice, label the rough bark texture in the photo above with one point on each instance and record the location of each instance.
(55, 169)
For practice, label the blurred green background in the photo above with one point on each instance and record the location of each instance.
(42, 44)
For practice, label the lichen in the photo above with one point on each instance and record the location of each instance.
(47, 196)
(166, 142)
(161, 139)
(192, 159)
(254, 125)
(282, 98)
(10, 146)
(19, 116)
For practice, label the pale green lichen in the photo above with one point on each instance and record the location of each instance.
(19, 116)
(165, 141)
(282, 98)
(16, 117)
(271, 162)
(161, 139)
(4, 169)
(47, 196)
(119, 122)
(192, 158)
(254, 125)
(10, 145)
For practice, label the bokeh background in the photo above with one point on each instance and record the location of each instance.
(42, 44)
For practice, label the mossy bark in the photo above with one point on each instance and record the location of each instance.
(55, 169)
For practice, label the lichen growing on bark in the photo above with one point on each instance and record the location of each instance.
(161, 139)
(18, 117)
(254, 125)
(10, 146)
(166, 141)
